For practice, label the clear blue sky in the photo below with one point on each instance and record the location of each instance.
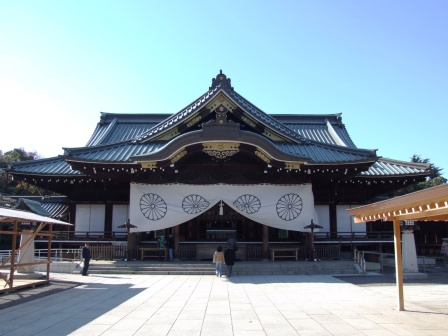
(382, 64)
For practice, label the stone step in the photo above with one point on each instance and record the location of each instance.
(240, 268)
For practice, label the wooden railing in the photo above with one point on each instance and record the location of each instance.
(386, 261)
(344, 237)
(354, 236)
(87, 236)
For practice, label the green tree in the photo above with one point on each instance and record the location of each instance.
(434, 179)
(17, 188)
(435, 171)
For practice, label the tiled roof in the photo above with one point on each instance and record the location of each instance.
(321, 139)
(114, 127)
(326, 154)
(318, 127)
(53, 206)
(116, 152)
(56, 210)
(179, 116)
(33, 206)
(388, 167)
(51, 166)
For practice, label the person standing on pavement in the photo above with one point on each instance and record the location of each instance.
(229, 257)
(86, 255)
(218, 259)
(171, 247)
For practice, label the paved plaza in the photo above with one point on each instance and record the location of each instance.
(241, 305)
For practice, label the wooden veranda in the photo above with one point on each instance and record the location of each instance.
(36, 224)
(425, 205)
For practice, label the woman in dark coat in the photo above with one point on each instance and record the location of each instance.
(229, 257)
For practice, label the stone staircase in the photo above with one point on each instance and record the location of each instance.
(241, 268)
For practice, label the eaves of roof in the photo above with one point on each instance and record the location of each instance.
(9, 215)
(381, 168)
(117, 153)
(51, 166)
(384, 167)
(56, 210)
(328, 154)
(314, 152)
(30, 205)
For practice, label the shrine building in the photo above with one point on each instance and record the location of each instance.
(222, 168)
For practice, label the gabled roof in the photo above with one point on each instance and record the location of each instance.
(330, 145)
(32, 206)
(9, 215)
(221, 87)
(121, 138)
(52, 206)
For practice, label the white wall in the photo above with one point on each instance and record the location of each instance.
(90, 217)
(322, 217)
(345, 221)
(120, 215)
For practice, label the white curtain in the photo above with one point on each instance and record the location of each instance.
(155, 207)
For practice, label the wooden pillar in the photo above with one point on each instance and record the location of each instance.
(176, 237)
(108, 229)
(50, 229)
(13, 254)
(265, 241)
(398, 264)
(333, 219)
(132, 245)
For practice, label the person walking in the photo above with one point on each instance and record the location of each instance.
(229, 258)
(86, 255)
(218, 259)
(170, 247)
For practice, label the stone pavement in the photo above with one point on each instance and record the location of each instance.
(241, 305)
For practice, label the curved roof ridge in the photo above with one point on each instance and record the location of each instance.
(264, 117)
(334, 135)
(107, 132)
(173, 119)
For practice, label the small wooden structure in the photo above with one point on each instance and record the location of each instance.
(425, 205)
(16, 217)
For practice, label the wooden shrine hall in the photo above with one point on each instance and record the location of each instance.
(221, 168)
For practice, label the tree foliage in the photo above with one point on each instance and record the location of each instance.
(435, 171)
(17, 188)
(434, 179)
